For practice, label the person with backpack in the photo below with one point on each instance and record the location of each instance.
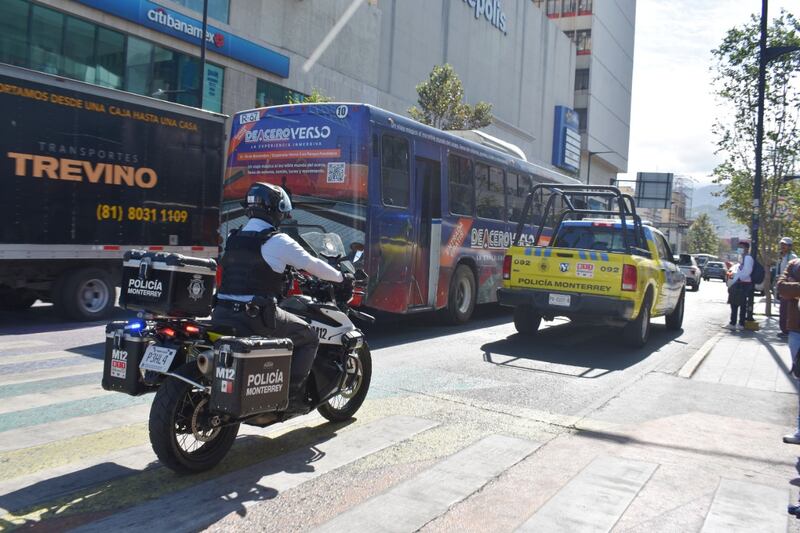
(741, 289)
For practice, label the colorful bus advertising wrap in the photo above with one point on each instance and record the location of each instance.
(318, 153)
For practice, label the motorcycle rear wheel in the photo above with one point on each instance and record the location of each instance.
(345, 404)
(180, 432)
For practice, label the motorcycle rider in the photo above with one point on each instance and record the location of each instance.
(253, 275)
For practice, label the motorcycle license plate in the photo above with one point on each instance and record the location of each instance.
(562, 300)
(157, 358)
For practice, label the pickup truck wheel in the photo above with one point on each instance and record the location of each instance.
(526, 320)
(462, 295)
(675, 318)
(85, 294)
(637, 331)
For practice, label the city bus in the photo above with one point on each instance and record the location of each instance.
(426, 213)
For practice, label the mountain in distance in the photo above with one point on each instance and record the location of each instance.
(704, 201)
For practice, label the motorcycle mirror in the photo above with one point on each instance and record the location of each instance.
(347, 267)
(360, 275)
(357, 256)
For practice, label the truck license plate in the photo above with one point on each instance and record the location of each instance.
(562, 300)
(157, 358)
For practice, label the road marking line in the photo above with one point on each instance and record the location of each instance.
(415, 502)
(74, 427)
(130, 457)
(691, 366)
(50, 373)
(595, 499)
(214, 499)
(740, 506)
(32, 387)
(67, 411)
(31, 357)
(16, 345)
(36, 400)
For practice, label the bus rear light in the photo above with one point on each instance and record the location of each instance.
(507, 267)
(629, 278)
(357, 300)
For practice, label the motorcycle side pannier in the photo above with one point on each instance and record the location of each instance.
(251, 375)
(167, 284)
(124, 350)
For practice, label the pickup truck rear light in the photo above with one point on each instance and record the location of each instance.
(507, 267)
(629, 278)
(603, 224)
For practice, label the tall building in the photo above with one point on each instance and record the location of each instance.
(603, 33)
(264, 52)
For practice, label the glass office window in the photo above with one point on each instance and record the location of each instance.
(110, 58)
(79, 39)
(14, 32)
(138, 66)
(212, 91)
(268, 94)
(47, 27)
(583, 41)
(582, 79)
(217, 9)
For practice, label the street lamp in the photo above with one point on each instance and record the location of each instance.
(589, 166)
(765, 55)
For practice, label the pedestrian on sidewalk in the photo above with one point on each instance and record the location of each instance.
(741, 287)
(789, 290)
(786, 255)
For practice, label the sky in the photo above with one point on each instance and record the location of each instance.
(673, 107)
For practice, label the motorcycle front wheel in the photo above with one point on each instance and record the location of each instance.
(345, 404)
(182, 429)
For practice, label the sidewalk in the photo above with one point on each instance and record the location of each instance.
(753, 359)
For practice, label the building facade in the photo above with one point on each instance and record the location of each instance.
(507, 53)
(603, 32)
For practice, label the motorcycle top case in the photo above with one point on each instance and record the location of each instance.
(251, 375)
(167, 284)
(123, 353)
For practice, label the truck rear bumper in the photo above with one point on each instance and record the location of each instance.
(581, 305)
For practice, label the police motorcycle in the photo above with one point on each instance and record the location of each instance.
(208, 380)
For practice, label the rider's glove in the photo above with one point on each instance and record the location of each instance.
(344, 290)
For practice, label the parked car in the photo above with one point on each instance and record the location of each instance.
(715, 270)
(759, 288)
(688, 266)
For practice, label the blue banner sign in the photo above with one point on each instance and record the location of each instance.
(169, 22)
(566, 139)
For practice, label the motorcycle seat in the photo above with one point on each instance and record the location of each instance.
(226, 330)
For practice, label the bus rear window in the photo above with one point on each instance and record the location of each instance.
(604, 239)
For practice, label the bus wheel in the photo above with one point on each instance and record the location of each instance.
(462, 296)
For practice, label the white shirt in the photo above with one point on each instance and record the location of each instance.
(746, 268)
(281, 250)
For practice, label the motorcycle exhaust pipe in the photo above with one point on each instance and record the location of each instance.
(205, 363)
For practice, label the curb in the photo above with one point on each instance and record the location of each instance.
(691, 366)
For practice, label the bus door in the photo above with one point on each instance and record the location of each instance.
(428, 229)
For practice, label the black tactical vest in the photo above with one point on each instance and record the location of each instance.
(244, 271)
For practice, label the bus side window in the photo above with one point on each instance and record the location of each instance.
(516, 193)
(461, 188)
(395, 182)
(490, 201)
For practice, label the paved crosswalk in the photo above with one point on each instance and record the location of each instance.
(73, 456)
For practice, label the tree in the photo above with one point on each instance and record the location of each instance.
(316, 97)
(702, 238)
(736, 86)
(441, 103)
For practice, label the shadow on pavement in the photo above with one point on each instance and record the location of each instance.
(44, 319)
(593, 351)
(90, 494)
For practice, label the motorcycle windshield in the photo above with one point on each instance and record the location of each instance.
(325, 244)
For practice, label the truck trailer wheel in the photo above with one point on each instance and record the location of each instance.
(462, 296)
(526, 320)
(85, 294)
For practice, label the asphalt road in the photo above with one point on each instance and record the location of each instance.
(469, 428)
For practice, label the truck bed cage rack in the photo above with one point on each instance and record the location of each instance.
(618, 204)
